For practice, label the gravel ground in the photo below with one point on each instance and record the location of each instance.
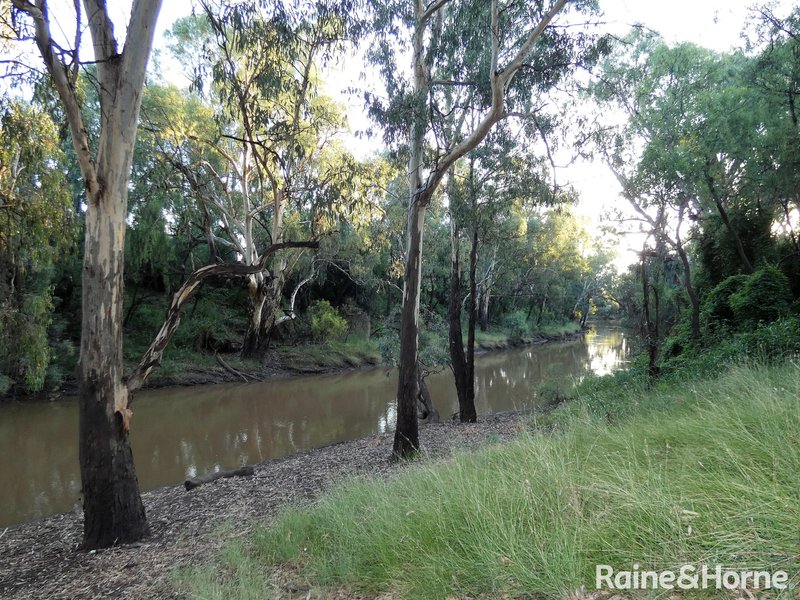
(41, 559)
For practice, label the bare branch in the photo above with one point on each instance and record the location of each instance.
(138, 42)
(58, 73)
(105, 44)
(527, 46)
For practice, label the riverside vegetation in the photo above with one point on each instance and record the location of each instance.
(699, 468)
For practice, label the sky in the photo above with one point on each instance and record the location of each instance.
(716, 24)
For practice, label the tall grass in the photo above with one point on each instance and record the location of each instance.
(709, 476)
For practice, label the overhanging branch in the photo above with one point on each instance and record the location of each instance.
(152, 357)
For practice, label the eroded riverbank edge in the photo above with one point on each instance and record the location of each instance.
(41, 560)
(276, 367)
(272, 371)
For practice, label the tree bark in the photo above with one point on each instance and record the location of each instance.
(406, 435)
(484, 311)
(113, 509)
(458, 361)
(256, 299)
(406, 440)
(651, 329)
(687, 276)
(486, 286)
(429, 412)
(467, 412)
(723, 213)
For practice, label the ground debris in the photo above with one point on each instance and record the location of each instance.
(41, 560)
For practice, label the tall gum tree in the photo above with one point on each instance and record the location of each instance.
(485, 200)
(509, 50)
(275, 128)
(113, 509)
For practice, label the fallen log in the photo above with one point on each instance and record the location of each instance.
(194, 482)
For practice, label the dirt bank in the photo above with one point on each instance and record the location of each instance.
(277, 364)
(41, 560)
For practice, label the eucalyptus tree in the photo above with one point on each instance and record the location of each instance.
(486, 198)
(516, 45)
(273, 156)
(113, 510)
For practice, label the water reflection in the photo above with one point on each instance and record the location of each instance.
(180, 432)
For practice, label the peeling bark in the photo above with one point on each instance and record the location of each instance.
(113, 510)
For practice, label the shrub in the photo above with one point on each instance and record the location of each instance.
(716, 309)
(326, 322)
(24, 351)
(515, 323)
(764, 297)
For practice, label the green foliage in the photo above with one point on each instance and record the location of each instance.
(515, 324)
(36, 229)
(326, 322)
(764, 297)
(25, 354)
(6, 383)
(716, 309)
(742, 302)
(773, 342)
(212, 319)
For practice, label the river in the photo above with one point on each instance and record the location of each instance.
(180, 432)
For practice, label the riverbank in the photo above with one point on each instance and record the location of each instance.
(330, 357)
(692, 472)
(189, 529)
(187, 367)
(696, 472)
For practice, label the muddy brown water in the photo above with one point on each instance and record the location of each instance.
(180, 432)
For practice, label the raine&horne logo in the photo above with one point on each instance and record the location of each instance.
(689, 577)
